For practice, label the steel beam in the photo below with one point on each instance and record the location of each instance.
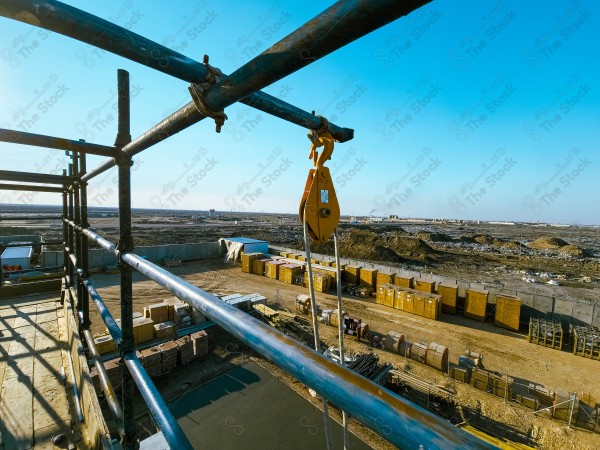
(32, 177)
(85, 27)
(39, 140)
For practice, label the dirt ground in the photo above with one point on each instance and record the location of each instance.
(504, 351)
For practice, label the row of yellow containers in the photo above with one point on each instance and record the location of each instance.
(409, 300)
(286, 271)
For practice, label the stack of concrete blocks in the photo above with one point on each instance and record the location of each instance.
(158, 312)
(113, 370)
(180, 311)
(185, 348)
(151, 360)
(168, 356)
(200, 343)
(164, 329)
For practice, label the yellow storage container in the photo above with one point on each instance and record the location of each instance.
(418, 305)
(424, 285)
(385, 278)
(508, 312)
(409, 302)
(247, 261)
(272, 269)
(390, 294)
(351, 274)
(289, 272)
(476, 304)
(404, 282)
(399, 299)
(448, 294)
(368, 277)
(380, 295)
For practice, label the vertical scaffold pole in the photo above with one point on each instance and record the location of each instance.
(71, 231)
(65, 214)
(129, 438)
(85, 300)
(77, 234)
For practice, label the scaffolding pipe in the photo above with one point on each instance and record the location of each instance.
(105, 384)
(39, 140)
(159, 409)
(77, 24)
(337, 26)
(85, 258)
(105, 315)
(27, 187)
(319, 37)
(176, 122)
(32, 177)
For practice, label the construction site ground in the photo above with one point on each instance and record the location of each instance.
(504, 351)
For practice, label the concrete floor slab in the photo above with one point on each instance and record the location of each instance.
(250, 408)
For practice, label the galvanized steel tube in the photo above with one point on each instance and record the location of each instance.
(105, 384)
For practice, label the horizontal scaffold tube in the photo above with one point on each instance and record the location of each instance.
(39, 140)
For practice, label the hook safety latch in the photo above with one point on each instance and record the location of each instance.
(319, 206)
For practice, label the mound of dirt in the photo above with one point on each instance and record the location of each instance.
(362, 244)
(547, 243)
(506, 244)
(409, 247)
(434, 237)
(572, 250)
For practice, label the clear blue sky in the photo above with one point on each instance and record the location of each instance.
(474, 110)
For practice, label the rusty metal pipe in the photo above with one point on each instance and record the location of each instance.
(32, 177)
(39, 140)
(337, 26)
(27, 187)
(77, 24)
